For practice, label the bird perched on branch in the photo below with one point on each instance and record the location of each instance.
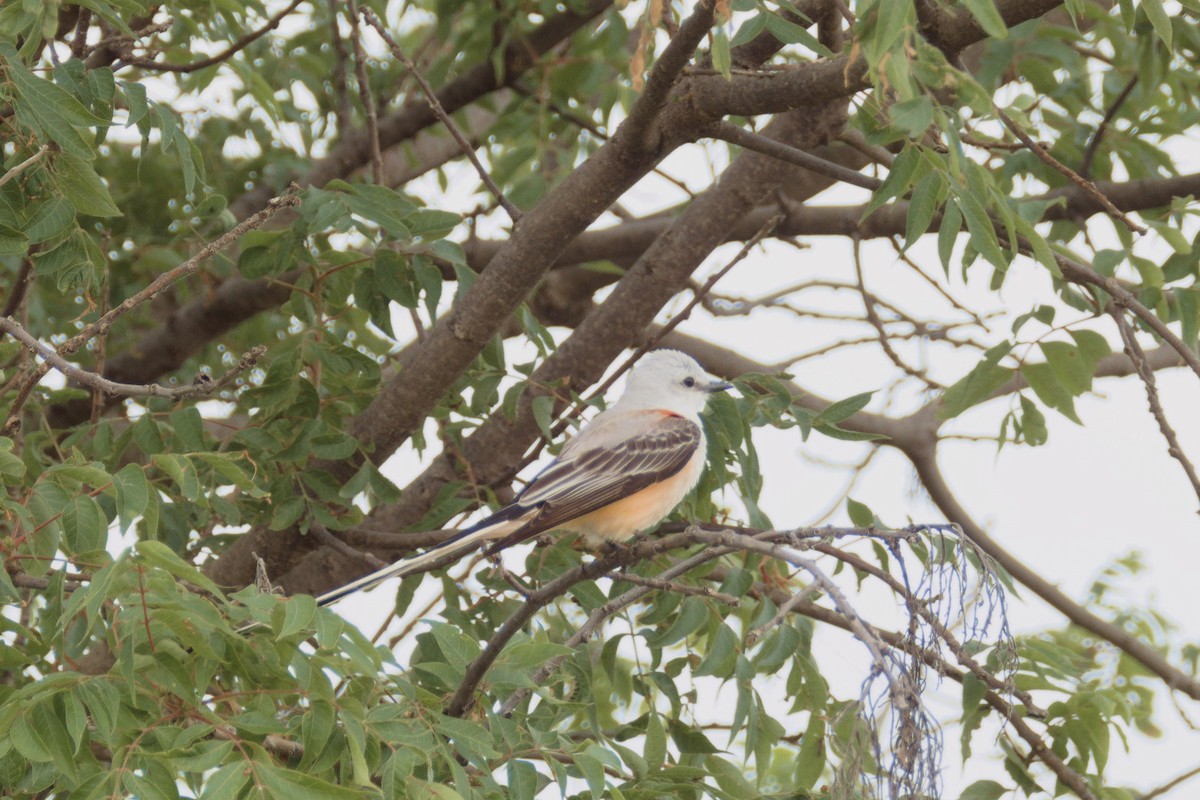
(621, 474)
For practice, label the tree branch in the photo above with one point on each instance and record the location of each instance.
(201, 387)
(916, 437)
(226, 54)
(1138, 357)
(156, 287)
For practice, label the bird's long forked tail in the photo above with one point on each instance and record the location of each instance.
(493, 527)
(461, 542)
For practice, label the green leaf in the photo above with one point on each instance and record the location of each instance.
(542, 407)
(55, 110)
(720, 53)
(922, 207)
(133, 493)
(903, 172)
(1160, 19)
(1045, 384)
(296, 785)
(80, 184)
(977, 385)
(522, 780)
(298, 614)
(1033, 423)
(948, 232)
(656, 742)
(721, 653)
(394, 277)
(85, 527)
(690, 740)
(789, 32)
(749, 29)
(983, 790)
(913, 116)
(135, 100)
(983, 233)
(181, 471)
(49, 219)
(842, 410)
(458, 648)
(984, 11)
(860, 514)
(227, 782)
(157, 554)
(811, 761)
(11, 465)
(692, 614)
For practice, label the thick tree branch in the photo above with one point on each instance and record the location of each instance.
(626, 241)
(716, 97)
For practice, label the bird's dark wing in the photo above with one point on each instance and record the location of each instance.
(589, 478)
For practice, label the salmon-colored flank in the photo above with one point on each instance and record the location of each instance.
(620, 520)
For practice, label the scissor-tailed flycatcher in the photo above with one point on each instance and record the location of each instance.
(623, 473)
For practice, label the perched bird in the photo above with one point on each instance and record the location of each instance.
(622, 473)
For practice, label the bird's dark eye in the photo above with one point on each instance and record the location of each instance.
(689, 382)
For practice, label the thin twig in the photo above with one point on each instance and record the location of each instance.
(869, 301)
(17, 293)
(1169, 785)
(29, 162)
(731, 133)
(1085, 164)
(26, 581)
(224, 55)
(859, 142)
(341, 108)
(1088, 187)
(1138, 356)
(332, 540)
(658, 582)
(101, 349)
(1082, 273)
(788, 607)
(364, 94)
(203, 386)
(935, 284)
(513, 212)
(79, 37)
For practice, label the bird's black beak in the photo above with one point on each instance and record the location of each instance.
(718, 386)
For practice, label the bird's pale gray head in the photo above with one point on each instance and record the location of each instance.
(672, 381)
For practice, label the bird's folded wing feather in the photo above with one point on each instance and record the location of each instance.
(614, 462)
